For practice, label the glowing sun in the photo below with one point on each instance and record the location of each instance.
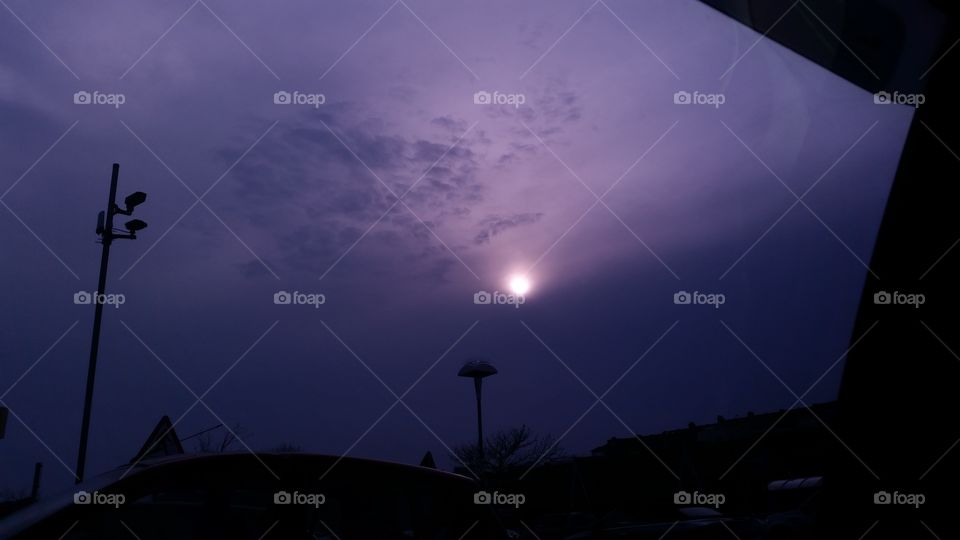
(519, 285)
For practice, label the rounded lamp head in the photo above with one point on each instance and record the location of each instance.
(135, 225)
(477, 368)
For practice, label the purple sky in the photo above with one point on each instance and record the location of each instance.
(698, 201)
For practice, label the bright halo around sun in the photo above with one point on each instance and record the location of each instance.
(519, 285)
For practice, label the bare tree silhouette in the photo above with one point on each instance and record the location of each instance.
(227, 442)
(508, 450)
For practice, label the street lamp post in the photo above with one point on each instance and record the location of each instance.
(107, 234)
(477, 369)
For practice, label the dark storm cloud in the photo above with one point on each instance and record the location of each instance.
(450, 124)
(306, 184)
(494, 225)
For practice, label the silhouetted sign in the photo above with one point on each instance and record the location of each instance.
(428, 461)
(3, 421)
(163, 441)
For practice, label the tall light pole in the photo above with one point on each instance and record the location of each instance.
(477, 369)
(107, 234)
